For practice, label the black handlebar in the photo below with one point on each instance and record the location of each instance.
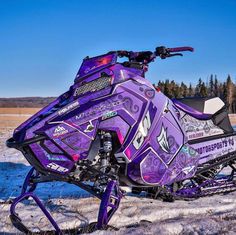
(146, 57)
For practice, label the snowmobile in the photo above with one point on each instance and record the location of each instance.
(113, 128)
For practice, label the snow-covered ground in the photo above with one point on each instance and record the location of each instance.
(72, 207)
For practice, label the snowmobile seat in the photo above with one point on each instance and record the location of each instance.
(206, 109)
(200, 108)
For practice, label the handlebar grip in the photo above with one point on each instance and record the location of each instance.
(179, 49)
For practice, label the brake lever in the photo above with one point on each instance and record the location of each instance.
(175, 54)
(170, 55)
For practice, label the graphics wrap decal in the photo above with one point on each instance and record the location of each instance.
(53, 157)
(214, 148)
(143, 129)
(195, 128)
(188, 169)
(97, 109)
(148, 92)
(90, 127)
(129, 104)
(68, 108)
(176, 111)
(162, 140)
(76, 141)
(56, 167)
(188, 150)
(59, 131)
(166, 107)
(152, 168)
(221, 144)
(109, 115)
(182, 165)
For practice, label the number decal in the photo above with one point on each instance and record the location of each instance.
(144, 128)
(56, 167)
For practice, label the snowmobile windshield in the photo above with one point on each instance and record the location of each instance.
(94, 64)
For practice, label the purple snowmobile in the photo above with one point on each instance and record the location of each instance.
(113, 128)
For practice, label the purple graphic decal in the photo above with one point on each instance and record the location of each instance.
(152, 168)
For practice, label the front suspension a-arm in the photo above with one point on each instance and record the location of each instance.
(110, 200)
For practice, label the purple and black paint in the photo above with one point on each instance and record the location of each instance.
(112, 128)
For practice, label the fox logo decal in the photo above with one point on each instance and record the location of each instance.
(162, 140)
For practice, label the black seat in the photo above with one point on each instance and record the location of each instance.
(193, 106)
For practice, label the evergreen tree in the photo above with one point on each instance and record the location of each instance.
(224, 93)
(226, 90)
(230, 89)
(161, 86)
(211, 86)
(167, 88)
(198, 88)
(174, 90)
(183, 90)
(190, 90)
(216, 87)
(203, 90)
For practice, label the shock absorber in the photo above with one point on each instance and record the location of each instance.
(105, 150)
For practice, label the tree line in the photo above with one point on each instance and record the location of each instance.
(213, 88)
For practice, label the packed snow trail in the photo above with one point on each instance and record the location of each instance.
(71, 207)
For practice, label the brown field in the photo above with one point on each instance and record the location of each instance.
(232, 118)
(10, 118)
(18, 111)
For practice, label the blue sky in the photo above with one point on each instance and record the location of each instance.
(43, 42)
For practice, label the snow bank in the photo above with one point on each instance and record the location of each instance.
(71, 207)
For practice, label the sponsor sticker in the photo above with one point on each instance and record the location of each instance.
(109, 115)
(99, 108)
(60, 130)
(225, 143)
(57, 167)
(68, 108)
